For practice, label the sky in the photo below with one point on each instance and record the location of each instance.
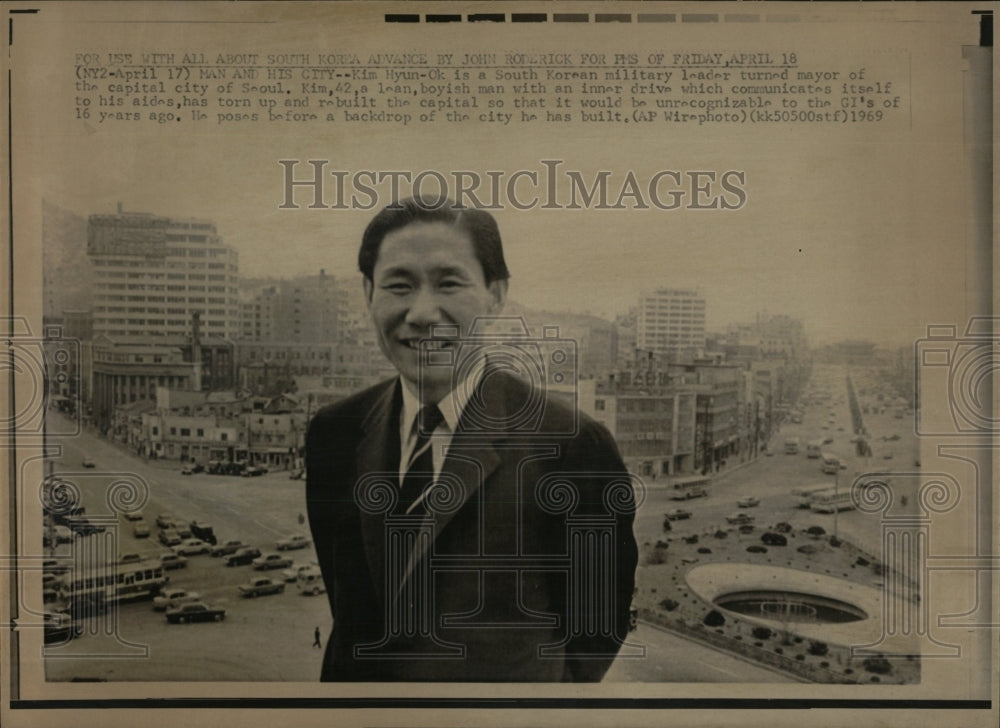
(861, 232)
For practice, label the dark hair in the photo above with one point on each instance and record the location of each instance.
(479, 225)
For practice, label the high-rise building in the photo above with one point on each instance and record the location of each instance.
(307, 309)
(670, 321)
(152, 273)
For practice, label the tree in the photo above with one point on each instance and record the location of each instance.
(714, 619)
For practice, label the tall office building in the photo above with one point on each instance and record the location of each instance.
(671, 321)
(305, 310)
(152, 273)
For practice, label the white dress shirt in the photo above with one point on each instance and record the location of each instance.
(451, 408)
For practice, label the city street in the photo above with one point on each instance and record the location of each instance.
(270, 638)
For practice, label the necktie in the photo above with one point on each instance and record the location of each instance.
(420, 475)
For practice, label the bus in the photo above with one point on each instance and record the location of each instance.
(804, 493)
(792, 446)
(814, 449)
(831, 464)
(100, 585)
(695, 486)
(831, 500)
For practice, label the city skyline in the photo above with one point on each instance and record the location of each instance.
(548, 301)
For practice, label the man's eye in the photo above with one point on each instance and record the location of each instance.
(396, 287)
(450, 284)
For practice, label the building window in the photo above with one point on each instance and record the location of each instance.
(173, 430)
(599, 404)
(201, 432)
(156, 430)
(185, 432)
(224, 436)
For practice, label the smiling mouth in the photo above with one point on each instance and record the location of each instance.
(430, 344)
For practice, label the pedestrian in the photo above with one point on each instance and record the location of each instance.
(316, 642)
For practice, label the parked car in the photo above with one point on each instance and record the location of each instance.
(260, 586)
(130, 558)
(195, 612)
(170, 537)
(133, 515)
(748, 501)
(739, 519)
(226, 548)
(140, 529)
(254, 470)
(297, 474)
(677, 514)
(64, 534)
(271, 561)
(186, 470)
(88, 463)
(165, 520)
(192, 547)
(298, 541)
(243, 557)
(173, 561)
(173, 597)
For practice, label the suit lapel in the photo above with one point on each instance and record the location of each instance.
(472, 457)
(379, 452)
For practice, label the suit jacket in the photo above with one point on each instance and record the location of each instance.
(489, 585)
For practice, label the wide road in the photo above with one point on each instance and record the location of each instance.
(269, 638)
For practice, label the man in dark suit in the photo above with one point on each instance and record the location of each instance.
(469, 526)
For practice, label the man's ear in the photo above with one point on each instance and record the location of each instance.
(369, 288)
(498, 290)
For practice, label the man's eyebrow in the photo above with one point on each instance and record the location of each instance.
(397, 272)
(452, 270)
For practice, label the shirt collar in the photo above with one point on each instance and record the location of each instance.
(452, 405)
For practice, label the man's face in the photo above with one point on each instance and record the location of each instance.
(427, 274)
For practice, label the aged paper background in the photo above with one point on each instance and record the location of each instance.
(868, 231)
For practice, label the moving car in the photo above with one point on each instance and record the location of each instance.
(689, 494)
(129, 558)
(292, 573)
(677, 514)
(261, 586)
(748, 501)
(87, 463)
(174, 597)
(140, 529)
(192, 547)
(170, 537)
(173, 561)
(226, 548)
(133, 515)
(195, 612)
(243, 557)
(739, 519)
(60, 627)
(272, 561)
(297, 541)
